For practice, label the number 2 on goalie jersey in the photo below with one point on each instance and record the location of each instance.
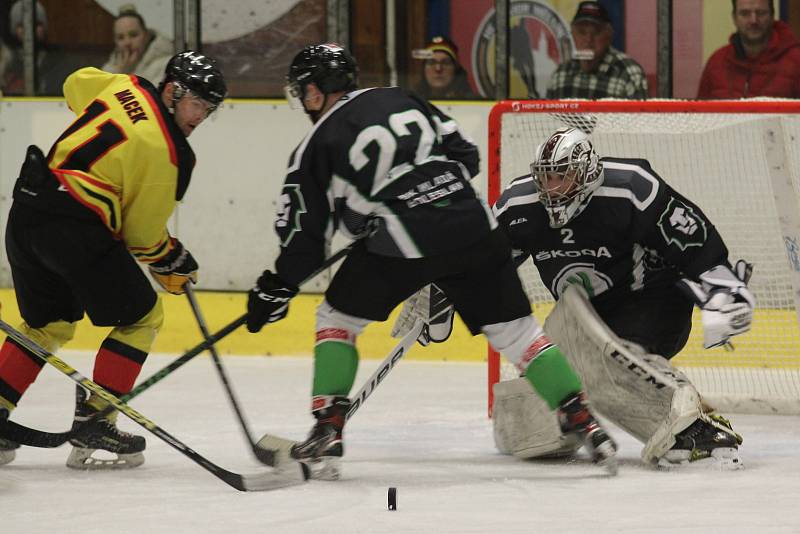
(108, 135)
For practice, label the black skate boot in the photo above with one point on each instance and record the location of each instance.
(90, 434)
(323, 450)
(576, 418)
(7, 447)
(708, 442)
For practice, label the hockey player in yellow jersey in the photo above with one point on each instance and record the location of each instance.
(84, 214)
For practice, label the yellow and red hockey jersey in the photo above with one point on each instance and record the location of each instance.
(124, 158)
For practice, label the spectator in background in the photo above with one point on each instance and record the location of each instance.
(762, 59)
(53, 64)
(137, 49)
(598, 70)
(443, 75)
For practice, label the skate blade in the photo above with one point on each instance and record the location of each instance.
(7, 456)
(274, 451)
(324, 468)
(721, 459)
(82, 459)
(606, 457)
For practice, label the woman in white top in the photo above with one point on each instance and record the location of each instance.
(138, 50)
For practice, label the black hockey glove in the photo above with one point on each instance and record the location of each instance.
(268, 301)
(176, 269)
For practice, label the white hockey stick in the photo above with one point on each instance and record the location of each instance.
(279, 448)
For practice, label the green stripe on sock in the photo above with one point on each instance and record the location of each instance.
(335, 367)
(552, 377)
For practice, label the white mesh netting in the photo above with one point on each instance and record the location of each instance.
(719, 161)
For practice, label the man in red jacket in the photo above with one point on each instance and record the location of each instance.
(762, 59)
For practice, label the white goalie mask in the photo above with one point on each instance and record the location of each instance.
(566, 172)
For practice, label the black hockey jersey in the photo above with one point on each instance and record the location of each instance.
(636, 233)
(386, 159)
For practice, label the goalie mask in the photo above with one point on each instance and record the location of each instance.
(566, 172)
(328, 66)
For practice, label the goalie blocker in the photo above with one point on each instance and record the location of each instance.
(639, 392)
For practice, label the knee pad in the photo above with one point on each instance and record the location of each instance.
(142, 333)
(513, 338)
(51, 336)
(330, 318)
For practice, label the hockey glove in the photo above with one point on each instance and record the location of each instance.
(268, 301)
(724, 300)
(176, 269)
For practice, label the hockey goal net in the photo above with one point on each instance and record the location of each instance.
(740, 162)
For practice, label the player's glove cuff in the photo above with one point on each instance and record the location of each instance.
(176, 269)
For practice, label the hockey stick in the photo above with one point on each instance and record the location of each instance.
(36, 438)
(223, 375)
(32, 437)
(275, 450)
(258, 482)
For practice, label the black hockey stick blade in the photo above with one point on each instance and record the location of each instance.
(38, 438)
(32, 437)
(259, 482)
(276, 451)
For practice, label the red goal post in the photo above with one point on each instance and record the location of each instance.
(740, 162)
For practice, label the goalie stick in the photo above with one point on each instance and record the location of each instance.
(32, 437)
(258, 482)
(275, 450)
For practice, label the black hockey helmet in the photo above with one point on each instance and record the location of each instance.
(328, 66)
(197, 73)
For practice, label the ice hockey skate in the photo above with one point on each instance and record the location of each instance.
(708, 443)
(101, 433)
(323, 450)
(576, 418)
(7, 447)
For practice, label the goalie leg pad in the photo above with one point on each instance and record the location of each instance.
(525, 426)
(642, 393)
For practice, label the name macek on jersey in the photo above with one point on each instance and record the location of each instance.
(131, 106)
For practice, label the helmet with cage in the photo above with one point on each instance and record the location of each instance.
(566, 172)
(197, 74)
(328, 66)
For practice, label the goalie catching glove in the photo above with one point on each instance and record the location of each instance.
(268, 301)
(724, 300)
(176, 269)
(431, 305)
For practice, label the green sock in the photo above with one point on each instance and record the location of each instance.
(552, 377)
(335, 366)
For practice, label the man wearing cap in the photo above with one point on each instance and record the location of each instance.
(443, 75)
(598, 70)
(762, 58)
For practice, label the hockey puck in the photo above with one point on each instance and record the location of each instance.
(392, 498)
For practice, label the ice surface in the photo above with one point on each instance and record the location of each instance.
(424, 431)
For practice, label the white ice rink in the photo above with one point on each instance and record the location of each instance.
(424, 431)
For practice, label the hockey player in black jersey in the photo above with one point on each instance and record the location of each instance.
(615, 228)
(384, 160)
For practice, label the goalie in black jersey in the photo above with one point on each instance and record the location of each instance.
(613, 227)
(388, 164)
